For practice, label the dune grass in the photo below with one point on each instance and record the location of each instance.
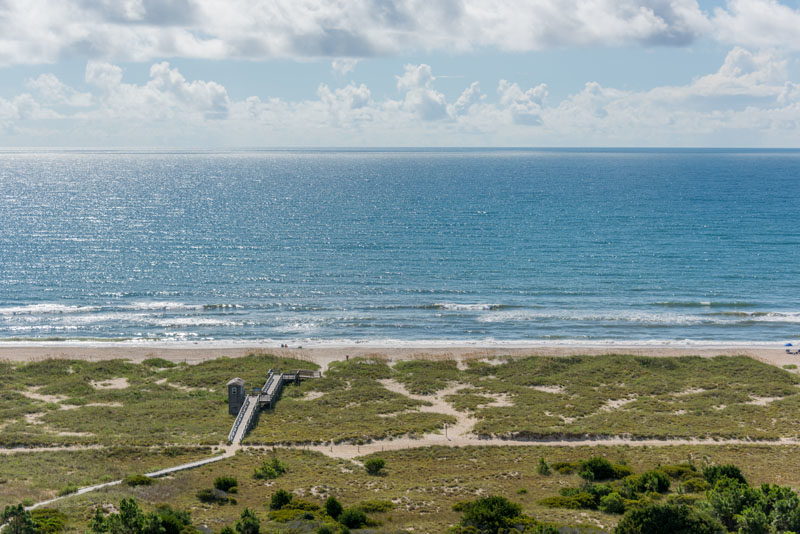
(347, 405)
(182, 404)
(41, 475)
(726, 397)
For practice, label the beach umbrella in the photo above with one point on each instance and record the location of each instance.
(788, 345)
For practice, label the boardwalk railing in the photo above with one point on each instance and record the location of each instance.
(239, 420)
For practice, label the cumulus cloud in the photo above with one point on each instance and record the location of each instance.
(749, 99)
(42, 31)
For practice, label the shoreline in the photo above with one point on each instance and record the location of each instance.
(325, 354)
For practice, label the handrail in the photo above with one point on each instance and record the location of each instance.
(238, 421)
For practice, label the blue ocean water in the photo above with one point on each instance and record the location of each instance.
(393, 246)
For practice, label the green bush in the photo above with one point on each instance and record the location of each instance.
(667, 519)
(696, 485)
(137, 480)
(543, 468)
(280, 499)
(353, 518)
(655, 481)
(225, 483)
(790, 366)
(213, 496)
(173, 521)
(248, 523)
(270, 469)
(713, 473)
(374, 466)
(565, 468)
(49, 520)
(333, 507)
(489, 514)
(598, 468)
(679, 471)
(613, 503)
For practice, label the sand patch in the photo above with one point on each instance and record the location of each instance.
(464, 421)
(494, 361)
(680, 412)
(35, 418)
(689, 391)
(112, 383)
(615, 404)
(188, 389)
(762, 401)
(499, 400)
(311, 395)
(31, 393)
(555, 390)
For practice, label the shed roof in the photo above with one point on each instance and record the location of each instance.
(236, 382)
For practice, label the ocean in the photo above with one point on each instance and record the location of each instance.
(394, 247)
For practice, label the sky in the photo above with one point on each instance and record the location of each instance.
(398, 73)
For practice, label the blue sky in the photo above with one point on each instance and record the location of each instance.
(221, 73)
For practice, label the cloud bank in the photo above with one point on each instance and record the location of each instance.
(749, 100)
(46, 31)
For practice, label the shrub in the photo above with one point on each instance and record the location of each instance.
(655, 481)
(225, 483)
(543, 468)
(18, 520)
(489, 514)
(696, 485)
(270, 469)
(790, 366)
(679, 471)
(333, 507)
(565, 468)
(173, 521)
(280, 499)
(667, 519)
(374, 466)
(137, 480)
(713, 473)
(66, 490)
(597, 468)
(613, 503)
(353, 518)
(248, 523)
(212, 496)
(48, 520)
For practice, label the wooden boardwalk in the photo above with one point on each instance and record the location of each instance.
(265, 399)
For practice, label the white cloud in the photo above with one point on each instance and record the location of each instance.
(749, 100)
(343, 66)
(42, 31)
(758, 24)
(421, 98)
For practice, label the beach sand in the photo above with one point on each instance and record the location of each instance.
(324, 355)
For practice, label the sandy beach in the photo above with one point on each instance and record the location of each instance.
(323, 355)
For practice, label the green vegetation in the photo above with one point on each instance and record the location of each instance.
(40, 475)
(303, 416)
(374, 466)
(228, 484)
(272, 468)
(729, 397)
(155, 403)
(137, 480)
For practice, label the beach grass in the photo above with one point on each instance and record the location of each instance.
(37, 476)
(117, 402)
